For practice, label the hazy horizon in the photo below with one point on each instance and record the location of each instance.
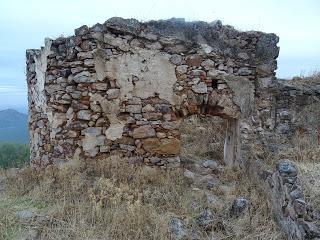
(25, 24)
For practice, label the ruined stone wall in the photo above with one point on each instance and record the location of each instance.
(123, 87)
(297, 108)
(283, 189)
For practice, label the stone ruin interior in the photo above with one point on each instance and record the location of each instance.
(124, 87)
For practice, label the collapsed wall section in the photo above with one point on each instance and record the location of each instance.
(123, 87)
(297, 108)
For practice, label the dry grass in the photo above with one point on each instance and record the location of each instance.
(307, 80)
(305, 149)
(203, 137)
(310, 178)
(101, 200)
(305, 152)
(258, 222)
(110, 199)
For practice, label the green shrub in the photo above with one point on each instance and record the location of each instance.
(13, 154)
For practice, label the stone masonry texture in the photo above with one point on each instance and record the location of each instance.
(123, 87)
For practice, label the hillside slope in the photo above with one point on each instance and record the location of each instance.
(13, 126)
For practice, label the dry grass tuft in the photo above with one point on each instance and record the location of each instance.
(308, 80)
(304, 149)
(203, 137)
(310, 178)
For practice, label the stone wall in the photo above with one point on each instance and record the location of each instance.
(283, 189)
(297, 108)
(123, 87)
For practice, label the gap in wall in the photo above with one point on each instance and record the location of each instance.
(203, 137)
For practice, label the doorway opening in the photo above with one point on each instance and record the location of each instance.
(203, 137)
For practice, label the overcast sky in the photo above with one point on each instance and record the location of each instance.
(24, 24)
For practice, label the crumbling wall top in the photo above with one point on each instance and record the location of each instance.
(222, 39)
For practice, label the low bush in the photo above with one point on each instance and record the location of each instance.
(13, 155)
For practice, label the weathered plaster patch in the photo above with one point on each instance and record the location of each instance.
(38, 93)
(243, 92)
(110, 108)
(142, 74)
(40, 69)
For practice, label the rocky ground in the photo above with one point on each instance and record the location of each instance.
(112, 200)
(212, 208)
(203, 200)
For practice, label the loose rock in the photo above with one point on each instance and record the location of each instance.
(239, 206)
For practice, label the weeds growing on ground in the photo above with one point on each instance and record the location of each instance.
(305, 152)
(111, 199)
(100, 200)
(203, 137)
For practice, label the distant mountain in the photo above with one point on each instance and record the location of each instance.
(13, 126)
